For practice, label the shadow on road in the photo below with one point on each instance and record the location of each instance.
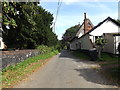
(66, 54)
(88, 74)
(93, 76)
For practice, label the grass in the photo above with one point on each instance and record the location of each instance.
(112, 74)
(80, 55)
(108, 57)
(109, 63)
(13, 74)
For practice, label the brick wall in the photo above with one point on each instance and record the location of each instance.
(14, 57)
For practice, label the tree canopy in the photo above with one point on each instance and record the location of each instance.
(118, 21)
(69, 34)
(27, 25)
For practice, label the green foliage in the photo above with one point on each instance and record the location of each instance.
(29, 25)
(81, 55)
(58, 46)
(114, 73)
(14, 74)
(44, 49)
(119, 48)
(100, 41)
(69, 35)
(118, 21)
(108, 57)
(9, 13)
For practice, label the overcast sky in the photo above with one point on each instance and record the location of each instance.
(72, 12)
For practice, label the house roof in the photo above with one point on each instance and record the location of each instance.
(89, 23)
(114, 34)
(82, 28)
(99, 24)
(109, 19)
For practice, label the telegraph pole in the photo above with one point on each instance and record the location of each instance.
(58, 8)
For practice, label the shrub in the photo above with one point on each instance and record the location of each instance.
(58, 47)
(119, 48)
(44, 49)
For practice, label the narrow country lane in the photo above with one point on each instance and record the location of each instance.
(65, 71)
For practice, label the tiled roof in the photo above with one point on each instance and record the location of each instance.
(109, 19)
(88, 27)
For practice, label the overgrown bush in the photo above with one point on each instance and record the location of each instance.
(44, 49)
(58, 47)
(119, 48)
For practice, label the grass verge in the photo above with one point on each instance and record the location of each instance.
(112, 74)
(13, 74)
(80, 55)
(110, 64)
(110, 67)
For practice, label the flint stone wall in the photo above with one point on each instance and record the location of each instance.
(14, 57)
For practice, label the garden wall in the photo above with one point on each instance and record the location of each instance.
(14, 57)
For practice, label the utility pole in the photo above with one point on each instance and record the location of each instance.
(119, 10)
(58, 8)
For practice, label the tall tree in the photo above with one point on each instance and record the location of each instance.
(69, 34)
(18, 36)
(31, 25)
(118, 21)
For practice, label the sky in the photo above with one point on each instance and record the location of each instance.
(71, 12)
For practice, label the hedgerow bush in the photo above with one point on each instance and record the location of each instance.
(119, 48)
(44, 49)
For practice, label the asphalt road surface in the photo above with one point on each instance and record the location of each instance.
(66, 71)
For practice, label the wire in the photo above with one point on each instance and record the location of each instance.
(58, 8)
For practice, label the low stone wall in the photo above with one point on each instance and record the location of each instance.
(14, 57)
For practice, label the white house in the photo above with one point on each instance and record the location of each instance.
(113, 40)
(2, 45)
(76, 43)
(109, 29)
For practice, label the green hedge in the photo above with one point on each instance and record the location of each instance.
(44, 49)
(13, 74)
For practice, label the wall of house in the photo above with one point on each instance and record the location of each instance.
(106, 27)
(117, 40)
(81, 31)
(1, 44)
(92, 39)
(110, 45)
(85, 42)
(74, 45)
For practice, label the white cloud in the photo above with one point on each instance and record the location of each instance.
(69, 1)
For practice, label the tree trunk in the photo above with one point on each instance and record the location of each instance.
(99, 51)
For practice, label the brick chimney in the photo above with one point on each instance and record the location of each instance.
(84, 23)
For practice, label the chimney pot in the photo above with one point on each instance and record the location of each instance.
(84, 15)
